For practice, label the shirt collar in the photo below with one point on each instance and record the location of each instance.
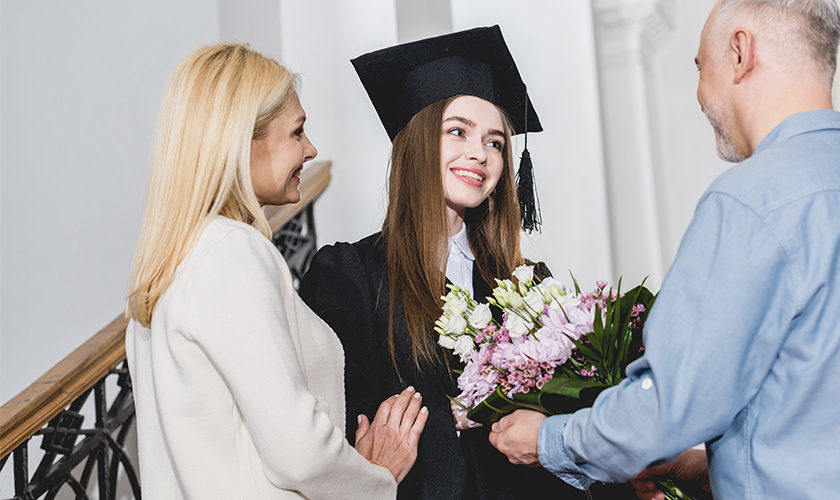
(800, 123)
(461, 244)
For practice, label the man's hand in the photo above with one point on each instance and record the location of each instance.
(517, 436)
(391, 440)
(690, 466)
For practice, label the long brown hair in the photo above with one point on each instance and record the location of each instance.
(416, 230)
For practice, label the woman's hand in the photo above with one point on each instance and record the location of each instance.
(461, 421)
(391, 440)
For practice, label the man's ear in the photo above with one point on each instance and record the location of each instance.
(742, 54)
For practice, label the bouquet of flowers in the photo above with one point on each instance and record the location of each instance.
(553, 351)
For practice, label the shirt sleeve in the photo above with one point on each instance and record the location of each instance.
(240, 318)
(719, 322)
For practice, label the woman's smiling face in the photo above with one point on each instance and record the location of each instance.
(471, 151)
(277, 159)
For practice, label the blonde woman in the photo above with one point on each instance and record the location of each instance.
(238, 385)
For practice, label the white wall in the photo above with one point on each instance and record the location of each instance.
(81, 84)
(2, 246)
(417, 20)
(319, 38)
(684, 140)
(255, 22)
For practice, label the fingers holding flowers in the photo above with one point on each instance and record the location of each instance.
(517, 436)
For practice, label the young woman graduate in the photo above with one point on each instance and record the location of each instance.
(450, 105)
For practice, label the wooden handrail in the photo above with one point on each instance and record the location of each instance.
(62, 384)
(36, 405)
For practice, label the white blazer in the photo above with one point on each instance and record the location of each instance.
(239, 386)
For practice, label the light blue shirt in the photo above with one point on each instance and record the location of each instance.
(743, 344)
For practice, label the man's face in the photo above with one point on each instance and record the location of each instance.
(714, 89)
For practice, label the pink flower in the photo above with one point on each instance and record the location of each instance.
(637, 310)
(578, 324)
(478, 379)
(551, 347)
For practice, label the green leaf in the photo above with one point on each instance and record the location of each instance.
(616, 327)
(671, 490)
(571, 387)
(566, 395)
(608, 341)
(577, 287)
(497, 405)
(462, 405)
(587, 351)
(596, 337)
(623, 350)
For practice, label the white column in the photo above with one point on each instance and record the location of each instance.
(627, 34)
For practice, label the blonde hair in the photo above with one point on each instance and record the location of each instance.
(217, 100)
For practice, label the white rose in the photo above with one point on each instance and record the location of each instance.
(535, 301)
(481, 316)
(501, 297)
(446, 342)
(514, 300)
(455, 325)
(560, 292)
(545, 285)
(524, 274)
(517, 326)
(464, 347)
(456, 306)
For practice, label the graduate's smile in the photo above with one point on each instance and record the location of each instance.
(469, 175)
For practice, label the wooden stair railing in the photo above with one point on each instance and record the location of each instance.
(36, 406)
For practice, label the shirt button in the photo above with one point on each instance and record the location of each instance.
(647, 383)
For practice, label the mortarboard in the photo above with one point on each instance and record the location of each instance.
(403, 79)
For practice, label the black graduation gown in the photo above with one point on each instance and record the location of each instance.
(346, 285)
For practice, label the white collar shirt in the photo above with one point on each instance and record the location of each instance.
(459, 265)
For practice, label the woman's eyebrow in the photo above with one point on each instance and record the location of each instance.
(465, 121)
(470, 123)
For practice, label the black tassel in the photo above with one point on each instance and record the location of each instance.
(526, 186)
(526, 190)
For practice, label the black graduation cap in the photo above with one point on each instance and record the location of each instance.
(403, 79)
